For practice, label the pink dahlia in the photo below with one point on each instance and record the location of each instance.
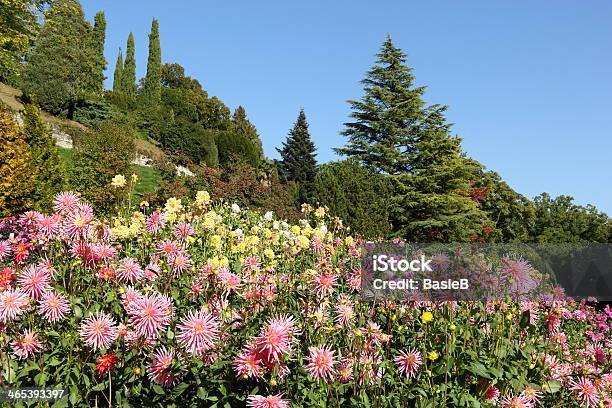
(179, 262)
(150, 314)
(408, 362)
(49, 226)
(515, 401)
(198, 332)
(271, 401)
(324, 283)
(586, 393)
(165, 367)
(277, 338)
(26, 345)
(344, 314)
(129, 271)
(78, 222)
(34, 280)
(53, 306)
(251, 263)
(12, 304)
(320, 363)
(248, 363)
(98, 331)
(183, 230)
(155, 222)
(65, 202)
(5, 249)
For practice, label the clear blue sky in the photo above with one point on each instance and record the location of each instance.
(529, 83)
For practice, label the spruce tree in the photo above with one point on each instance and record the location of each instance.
(118, 77)
(128, 75)
(46, 163)
(152, 82)
(242, 125)
(298, 158)
(16, 177)
(388, 116)
(58, 72)
(98, 36)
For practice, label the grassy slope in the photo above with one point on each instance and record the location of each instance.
(148, 177)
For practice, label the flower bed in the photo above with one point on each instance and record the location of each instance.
(202, 304)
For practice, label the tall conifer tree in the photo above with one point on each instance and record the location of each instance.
(16, 178)
(395, 133)
(152, 82)
(242, 125)
(58, 73)
(46, 163)
(98, 36)
(118, 77)
(298, 158)
(128, 75)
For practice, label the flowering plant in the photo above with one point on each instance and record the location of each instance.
(209, 304)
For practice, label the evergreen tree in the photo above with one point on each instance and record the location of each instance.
(98, 36)
(397, 134)
(58, 72)
(118, 77)
(242, 125)
(357, 195)
(432, 202)
(298, 158)
(128, 75)
(16, 176)
(152, 82)
(46, 163)
(388, 117)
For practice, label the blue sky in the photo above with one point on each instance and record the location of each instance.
(529, 83)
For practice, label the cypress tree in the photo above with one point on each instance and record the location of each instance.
(16, 176)
(128, 75)
(152, 82)
(242, 125)
(298, 162)
(118, 77)
(58, 72)
(46, 163)
(98, 36)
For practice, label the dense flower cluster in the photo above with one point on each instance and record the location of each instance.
(251, 310)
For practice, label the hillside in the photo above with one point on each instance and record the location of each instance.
(61, 129)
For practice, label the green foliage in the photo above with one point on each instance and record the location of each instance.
(128, 74)
(18, 27)
(298, 158)
(357, 195)
(16, 177)
(118, 76)
(512, 214)
(47, 167)
(560, 220)
(232, 146)
(242, 125)
(99, 155)
(173, 76)
(98, 36)
(388, 118)
(58, 71)
(191, 139)
(92, 112)
(397, 134)
(152, 82)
